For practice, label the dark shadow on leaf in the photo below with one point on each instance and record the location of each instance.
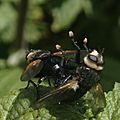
(58, 105)
(59, 108)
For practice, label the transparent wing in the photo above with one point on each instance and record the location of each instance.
(98, 98)
(32, 70)
(71, 85)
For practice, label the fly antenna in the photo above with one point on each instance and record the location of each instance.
(102, 50)
(85, 44)
(71, 35)
(58, 47)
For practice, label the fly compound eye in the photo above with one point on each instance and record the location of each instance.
(93, 58)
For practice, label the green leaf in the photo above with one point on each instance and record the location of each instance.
(35, 26)
(10, 80)
(22, 105)
(38, 2)
(16, 103)
(112, 109)
(7, 22)
(68, 11)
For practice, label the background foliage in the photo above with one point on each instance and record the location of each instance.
(41, 24)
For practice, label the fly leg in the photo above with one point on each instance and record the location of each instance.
(38, 83)
(67, 79)
(49, 83)
(28, 84)
(62, 81)
(40, 80)
(36, 87)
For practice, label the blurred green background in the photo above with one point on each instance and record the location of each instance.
(41, 24)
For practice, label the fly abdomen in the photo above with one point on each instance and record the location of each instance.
(89, 77)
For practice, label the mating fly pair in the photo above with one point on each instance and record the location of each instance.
(67, 73)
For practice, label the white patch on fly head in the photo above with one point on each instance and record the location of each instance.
(92, 64)
(94, 52)
(30, 54)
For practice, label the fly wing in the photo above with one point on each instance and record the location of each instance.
(32, 70)
(71, 85)
(99, 98)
